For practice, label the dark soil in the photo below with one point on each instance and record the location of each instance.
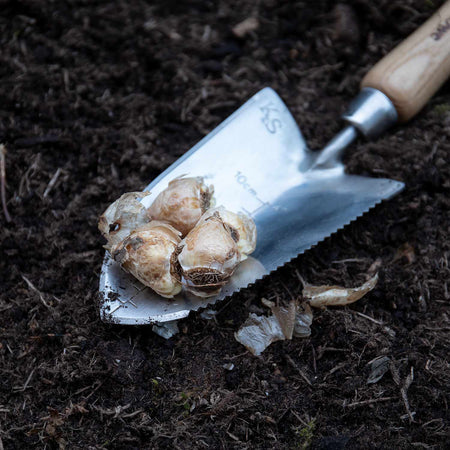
(111, 93)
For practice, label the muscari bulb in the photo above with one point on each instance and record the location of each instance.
(182, 203)
(149, 254)
(208, 256)
(122, 217)
(241, 227)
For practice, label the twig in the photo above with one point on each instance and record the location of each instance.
(305, 424)
(39, 140)
(35, 289)
(299, 371)
(134, 413)
(404, 392)
(22, 388)
(3, 181)
(94, 390)
(314, 71)
(117, 411)
(369, 402)
(52, 182)
(368, 318)
(313, 351)
(348, 260)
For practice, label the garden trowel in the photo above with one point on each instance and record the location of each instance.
(259, 163)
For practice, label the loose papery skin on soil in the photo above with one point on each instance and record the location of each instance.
(112, 93)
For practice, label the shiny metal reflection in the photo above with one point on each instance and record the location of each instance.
(259, 163)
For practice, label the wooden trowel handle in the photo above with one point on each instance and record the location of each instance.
(411, 73)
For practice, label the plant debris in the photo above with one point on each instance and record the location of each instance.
(3, 181)
(404, 391)
(303, 321)
(166, 329)
(245, 27)
(321, 296)
(378, 367)
(405, 251)
(258, 332)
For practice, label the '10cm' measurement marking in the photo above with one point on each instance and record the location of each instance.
(242, 180)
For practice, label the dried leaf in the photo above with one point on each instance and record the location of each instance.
(55, 418)
(405, 251)
(320, 296)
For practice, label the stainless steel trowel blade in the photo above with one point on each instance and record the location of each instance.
(259, 163)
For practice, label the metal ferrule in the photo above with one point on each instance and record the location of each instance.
(371, 113)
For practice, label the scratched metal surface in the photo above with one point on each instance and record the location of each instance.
(259, 163)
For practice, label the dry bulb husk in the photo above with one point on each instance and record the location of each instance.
(293, 320)
(322, 296)
(148, 253)
(284, 323)
(182, 203)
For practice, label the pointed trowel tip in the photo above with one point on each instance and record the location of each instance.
(393, 187)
